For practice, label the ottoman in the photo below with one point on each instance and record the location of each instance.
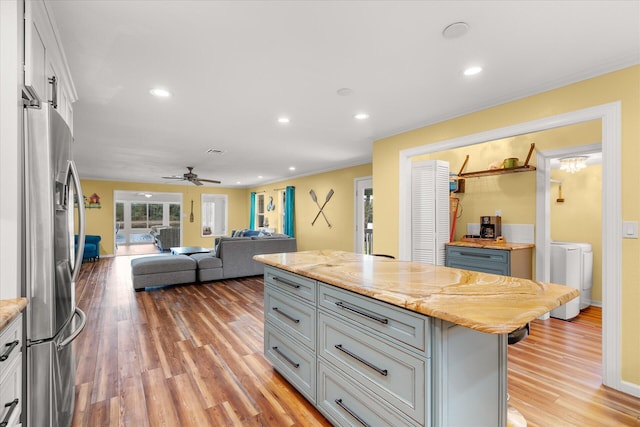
(162, 270)
(209, 267)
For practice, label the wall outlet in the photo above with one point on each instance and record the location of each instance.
(498, 212)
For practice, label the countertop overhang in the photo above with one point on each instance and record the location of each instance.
(10, 309)
(481, 301)
(503, 246)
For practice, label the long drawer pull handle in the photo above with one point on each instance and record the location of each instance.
(7, 352)
(350, 411)
(361, 360)
(362, 313)
(288, 316)
(284, 356)
(286, 282)
(12, 406)
(475, 255)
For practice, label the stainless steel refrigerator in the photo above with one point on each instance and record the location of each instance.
(52, 219)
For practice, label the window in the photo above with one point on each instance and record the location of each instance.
(139, 215)
(214, 215)
(174, 214)
(259, 210)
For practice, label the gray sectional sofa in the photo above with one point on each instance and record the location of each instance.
(232, 257)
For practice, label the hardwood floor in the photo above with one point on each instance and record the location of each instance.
(192, 356)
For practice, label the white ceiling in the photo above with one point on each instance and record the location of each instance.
(234, 67)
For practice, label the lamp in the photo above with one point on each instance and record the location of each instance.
(573, 164)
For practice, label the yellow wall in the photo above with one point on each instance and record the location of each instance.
(101, 221)
(623, 86)
(339, 210)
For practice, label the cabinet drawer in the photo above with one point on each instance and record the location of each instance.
(292, 316)
(10, 343)
(11, 392)
(294, 362)
(397, 376)
(493, 261)
(393, 322)
(291, 283)
(478, 254)
(345, 404)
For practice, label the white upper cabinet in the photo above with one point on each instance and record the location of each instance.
(46, 73)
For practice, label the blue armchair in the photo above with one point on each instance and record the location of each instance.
(91, 247)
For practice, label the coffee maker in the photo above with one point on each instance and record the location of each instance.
(490, 227)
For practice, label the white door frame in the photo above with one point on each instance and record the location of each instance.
(543, 203)
(610, 115)
(358, 232)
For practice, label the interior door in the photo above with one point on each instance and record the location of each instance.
(363, 215)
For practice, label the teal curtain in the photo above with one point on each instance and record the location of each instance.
(252, 218)
(289, 211)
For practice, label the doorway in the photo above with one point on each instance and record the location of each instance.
(363, 222)
(610, 117)
(137, 214)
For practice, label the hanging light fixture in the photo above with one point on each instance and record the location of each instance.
(573, 164)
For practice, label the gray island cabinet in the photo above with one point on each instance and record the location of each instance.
(377, 342)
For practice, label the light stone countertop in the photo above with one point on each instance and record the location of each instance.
(10, 309)
(481, 301)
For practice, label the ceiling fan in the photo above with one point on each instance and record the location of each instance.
(191, 177)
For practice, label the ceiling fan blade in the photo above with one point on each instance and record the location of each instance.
(172, 177)
(196, 181)
(209, 180)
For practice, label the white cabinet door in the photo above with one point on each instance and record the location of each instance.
(35, 67)
(429, 211)
(46, 74)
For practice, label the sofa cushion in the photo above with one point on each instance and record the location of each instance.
(162, 264)
(207, 260)
(225, 239)
(250, 233)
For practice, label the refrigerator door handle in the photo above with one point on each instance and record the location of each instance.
(74, 334)
(81, 220)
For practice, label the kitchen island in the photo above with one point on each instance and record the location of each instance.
(375, 341)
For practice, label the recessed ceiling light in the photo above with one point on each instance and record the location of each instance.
(160, 93)
(472, 71)
(292, 168)
(455, 30)
(260, 176)
(361, 116)
(284, 120)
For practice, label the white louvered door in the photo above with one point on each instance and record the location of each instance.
(429, 211)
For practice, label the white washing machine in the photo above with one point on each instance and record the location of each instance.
(572, 265)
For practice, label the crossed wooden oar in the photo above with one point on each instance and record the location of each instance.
(315, 199)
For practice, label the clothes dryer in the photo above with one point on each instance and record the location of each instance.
(586, 270)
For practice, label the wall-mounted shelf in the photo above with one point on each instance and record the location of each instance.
(502, 171)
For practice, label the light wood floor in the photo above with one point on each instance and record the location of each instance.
(192, 356)
(137, 249)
